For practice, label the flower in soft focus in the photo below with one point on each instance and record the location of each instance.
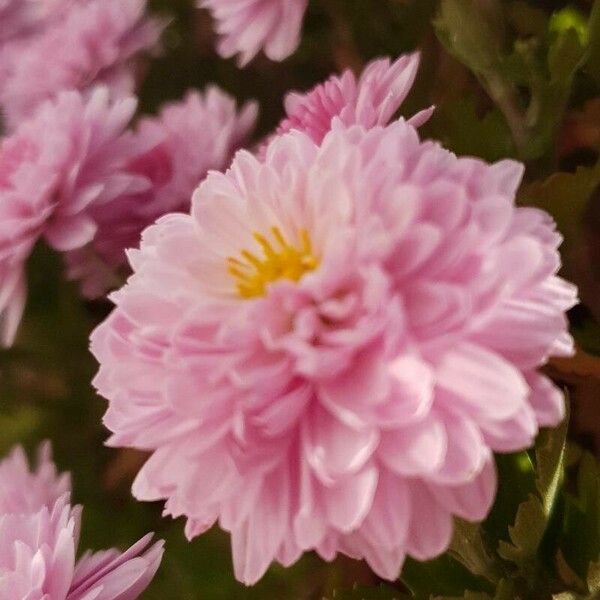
(93, 41)
(16, 17)
(72, 154)
(39, 535)
(187, 139)
(22, 490)
(368, 101)
(326, 352)
(246, 27)
(20, 18)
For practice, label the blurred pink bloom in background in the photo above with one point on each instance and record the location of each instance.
(89, 42)
(22, 490)
(245, 27)
(39, 535)
(371, 100)
(326, 352)
(72, 154)
(186, 140)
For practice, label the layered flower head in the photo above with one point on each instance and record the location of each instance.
(326, 352)
(370, 100)
(182, 144)
(246, 27)
(93, 41)
(22, 490)
(73, 154)
(39, 539)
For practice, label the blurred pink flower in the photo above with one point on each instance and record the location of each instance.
(39, 539)
(93, 41)
(22, 490)
(20, 18)
(16, 17)
(326, 352)
(246, 27)
(72, 154)
(187, 139)
(371, 100)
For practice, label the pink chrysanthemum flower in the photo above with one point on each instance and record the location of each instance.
(368, 101)
(246, 27)
(24, 491)
(326, 352)
(71, 155)
(94, 41)
(16, 17)
(188, 139)
(39, 538)
(20, 18)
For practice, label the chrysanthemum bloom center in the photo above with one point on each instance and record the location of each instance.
(280, 260)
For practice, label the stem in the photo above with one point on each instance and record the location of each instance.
(505, 97)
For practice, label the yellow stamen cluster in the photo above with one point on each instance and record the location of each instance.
(280, 260)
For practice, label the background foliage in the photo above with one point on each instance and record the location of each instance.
(511, 78)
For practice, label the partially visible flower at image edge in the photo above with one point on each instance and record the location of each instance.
(74, 153)
(91, 42)
(39, 536)
(326, 352)
(245, 27)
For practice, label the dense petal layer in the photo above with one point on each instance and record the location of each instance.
(334, 330)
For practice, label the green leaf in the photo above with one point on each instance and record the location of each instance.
(473, 32)
(526, 536)
(565, 196)
(459, 127)
(592, 66)
(469, 548)
(550, 453)
(580, 543)
(516, 481)
(441, 576)
(568, 576)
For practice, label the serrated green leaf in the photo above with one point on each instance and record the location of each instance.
(526, 536)
(516, 481)
(469, 548)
